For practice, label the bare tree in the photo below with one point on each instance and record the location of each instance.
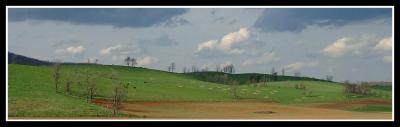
(88, 60)
(119, 91)
(232, 69)
(133, 62)
(224, 79)
(228, 69)
(118, 97)
(234, 88)
(329, 77)
(297, 74)
(172, 67)
(351, 88)
(56, 73)
(265, 80)
(194, 68)
(205, 69)
(185, 70)
(307, 92)
(283, 71)
(218, 68)
(91, 85)
(127, 60)
(95, 61)
(68, 84)
(274, 74)
(272, 70)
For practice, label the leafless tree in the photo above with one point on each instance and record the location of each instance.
(56, 73)
(95, 61)
(194, 68)
(248, 82)
(127, 60)
(300, 86)
(205, 69)
(283, 71)
(232, 69)
(90, 82)
(297, 74)
(119, 92)
(234, 88)
(351, 88)
(265, 80)
(118, 97)
(329, 77)
(68, 84)
(228, 69)
(133, 62)
(307, 92)
(218, 68)
(172, 67)
(224, 79)
(272, 70)
(185, 70)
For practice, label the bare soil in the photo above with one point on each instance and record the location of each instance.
(247, 110)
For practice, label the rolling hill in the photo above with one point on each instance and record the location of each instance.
(245, 78)
(33, 86)
(20, 59)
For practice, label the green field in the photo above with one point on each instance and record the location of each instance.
(31, 90)
(244, 78)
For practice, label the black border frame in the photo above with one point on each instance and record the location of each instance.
(394, 3)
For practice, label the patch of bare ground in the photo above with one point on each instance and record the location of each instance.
(342, 105)
(244, 110)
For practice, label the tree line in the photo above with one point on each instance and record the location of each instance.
(87, 79)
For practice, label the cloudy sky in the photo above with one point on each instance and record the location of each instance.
(349, 43)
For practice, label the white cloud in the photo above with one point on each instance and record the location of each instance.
(384, 45)
(147, 60)
(344, 46)
(71, 50)
(207, 45)
(236, 51)
(235, 37)
(226, 42)
(337, 48)
(109, 50)
(295, 66)
(299, 65)
(121, 50)
(387, 59)
(264, 58)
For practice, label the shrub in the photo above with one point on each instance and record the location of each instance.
(351, 88)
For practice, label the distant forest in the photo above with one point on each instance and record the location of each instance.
(20, 59)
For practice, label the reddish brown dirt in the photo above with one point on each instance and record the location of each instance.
(242, 110)
(350, 104)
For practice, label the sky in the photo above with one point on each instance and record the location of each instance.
(348, 43)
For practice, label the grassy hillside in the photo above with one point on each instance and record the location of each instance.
(246, 77)
(31, 93)
(31, 86)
